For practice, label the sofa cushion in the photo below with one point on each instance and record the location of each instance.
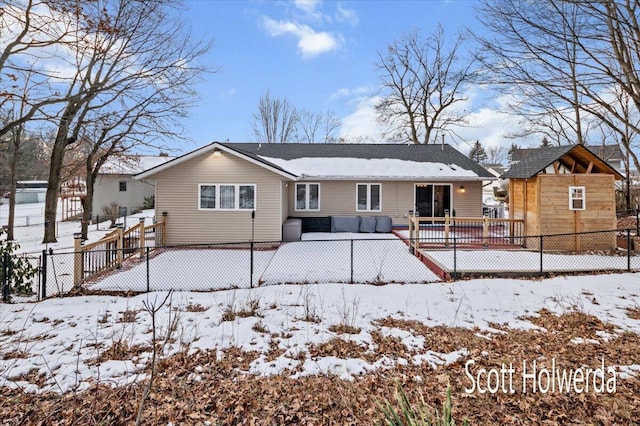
(345, 224)
(368, 224)
(383, 224)
(316, 224)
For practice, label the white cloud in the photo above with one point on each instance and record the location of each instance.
(227, 93)
(310, 42)
(362, 124)
(485, 124)
(347, 15)
(346, 92)
(308, 6)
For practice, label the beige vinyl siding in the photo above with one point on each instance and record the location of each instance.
(398, 197)
(284, 201)
(177, 194)
(469, 202)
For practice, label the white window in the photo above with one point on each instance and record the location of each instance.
(307, 196)
(577, 199)
(368, 197)
(226, 196)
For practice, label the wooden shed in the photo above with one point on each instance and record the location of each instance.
(564, 190)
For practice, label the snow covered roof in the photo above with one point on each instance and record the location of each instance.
(351, 161)
(132, 164)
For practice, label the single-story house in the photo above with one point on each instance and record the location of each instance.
(208, 195)
(562, 190)
(31, 191)
(115, 183)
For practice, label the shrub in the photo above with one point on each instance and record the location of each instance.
(417, 414)
(21, 272)
(111, 212)
(149, 202)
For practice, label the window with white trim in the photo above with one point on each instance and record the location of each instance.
(307, 196)
(368, 197)
(577, 199)
(226, 196)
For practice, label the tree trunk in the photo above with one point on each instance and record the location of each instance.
(13, 182)
(87, 203)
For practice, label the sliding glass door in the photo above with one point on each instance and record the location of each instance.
(432, 200)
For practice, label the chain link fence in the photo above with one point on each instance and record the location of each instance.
(364, 261)
(542, 255)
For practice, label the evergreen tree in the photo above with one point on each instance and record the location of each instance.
(478, 153)
(545, 143)
(514, 146)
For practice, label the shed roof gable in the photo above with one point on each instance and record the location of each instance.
(577, 158)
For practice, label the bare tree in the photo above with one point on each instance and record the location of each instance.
(30, 30)
(496, 154)
(423, 81)
(330, 125)
(309, 125)
(276, 120)
(129, 56)
(317, 126)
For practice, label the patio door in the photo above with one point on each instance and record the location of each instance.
(432, 200)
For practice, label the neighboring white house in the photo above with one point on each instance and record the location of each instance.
(493, 192)
(115, 183)
(31, 191)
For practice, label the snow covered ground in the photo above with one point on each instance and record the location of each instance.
(384, 260)
(491, 260)
(30, 237)
(65, 344)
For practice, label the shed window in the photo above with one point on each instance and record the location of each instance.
(368, 197)
(226, 196)
(307, 196)
(122, 185)
(577, 198)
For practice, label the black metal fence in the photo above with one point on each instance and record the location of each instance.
(541, 255)
(371, 261)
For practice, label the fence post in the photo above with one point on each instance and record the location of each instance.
(120, 245)
(165, 215)
(455, 258)
(147, 260)
(637, 222)
(78, 264)
(541, 253)
(251, 264)
(5, 277)
(411, 236)
(628, 250)
(351, 281)
(485, 230)
(446, 229)
(141, 241)
(43, 274)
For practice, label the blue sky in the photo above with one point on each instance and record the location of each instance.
(318, 54)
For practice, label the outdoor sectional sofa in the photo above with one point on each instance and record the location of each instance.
(295, 226)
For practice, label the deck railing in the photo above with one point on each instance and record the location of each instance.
(114, 248)
(484, 230)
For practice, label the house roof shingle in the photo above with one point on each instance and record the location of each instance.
(342, 161)
(538, 159)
